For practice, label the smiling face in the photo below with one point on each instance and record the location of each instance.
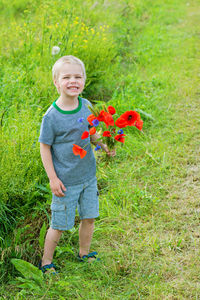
(70, 81)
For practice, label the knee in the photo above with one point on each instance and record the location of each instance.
(55, 231)
(88, 221)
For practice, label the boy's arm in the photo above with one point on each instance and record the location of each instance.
(95, 137)
(56, 184)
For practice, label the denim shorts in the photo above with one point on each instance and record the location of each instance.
(83, 196)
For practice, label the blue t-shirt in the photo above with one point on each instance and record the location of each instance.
(61, 129)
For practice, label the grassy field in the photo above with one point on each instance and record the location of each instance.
(147, 235)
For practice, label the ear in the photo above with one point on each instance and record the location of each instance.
(56, 85)
(55, 82)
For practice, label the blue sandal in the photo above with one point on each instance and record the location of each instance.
(85, 257)
(45, 268)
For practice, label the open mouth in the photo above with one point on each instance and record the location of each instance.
(73, 88)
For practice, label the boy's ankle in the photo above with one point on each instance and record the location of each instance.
(81, 254)
(45, 262)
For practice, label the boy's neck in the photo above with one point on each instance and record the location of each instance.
(67, 103)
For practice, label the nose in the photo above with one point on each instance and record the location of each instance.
(72, 79)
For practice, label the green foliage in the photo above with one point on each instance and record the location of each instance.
(42, 235)
(34, 283)
(7, 219)
(20, 155)
(29, 271)
(30, 50)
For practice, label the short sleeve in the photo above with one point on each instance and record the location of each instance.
(46, 132)
(89, 103)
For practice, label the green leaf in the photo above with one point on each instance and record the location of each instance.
(28, 270)
(42, 235)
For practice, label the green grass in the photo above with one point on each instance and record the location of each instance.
(148, 231)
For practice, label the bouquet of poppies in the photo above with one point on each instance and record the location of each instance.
(111, 127)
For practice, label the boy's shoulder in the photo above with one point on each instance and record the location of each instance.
(49, 112)
(84, 99)
(86, 102)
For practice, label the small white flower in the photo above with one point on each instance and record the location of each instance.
(55, 50)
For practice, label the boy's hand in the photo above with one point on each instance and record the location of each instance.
(111, 153)
(57, 187)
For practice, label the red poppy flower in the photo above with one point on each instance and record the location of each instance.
(127, 119)
(91, 118)
(107, 133)
(85, 135)
(139, 124)
(77, 150)
(108, 119)
(92, 131)
(111, 110)
(100, 117)
(120, 138)
(121, 123)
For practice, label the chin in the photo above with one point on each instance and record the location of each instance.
(72, 95)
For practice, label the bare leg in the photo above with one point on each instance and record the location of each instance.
(51, 241)
(85, 236)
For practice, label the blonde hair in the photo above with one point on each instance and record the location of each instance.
(67, 59)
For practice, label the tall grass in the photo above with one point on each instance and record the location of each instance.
(29, 51)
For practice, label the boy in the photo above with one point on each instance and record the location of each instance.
(72, 179)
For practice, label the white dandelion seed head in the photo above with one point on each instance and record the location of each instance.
(55, 50)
